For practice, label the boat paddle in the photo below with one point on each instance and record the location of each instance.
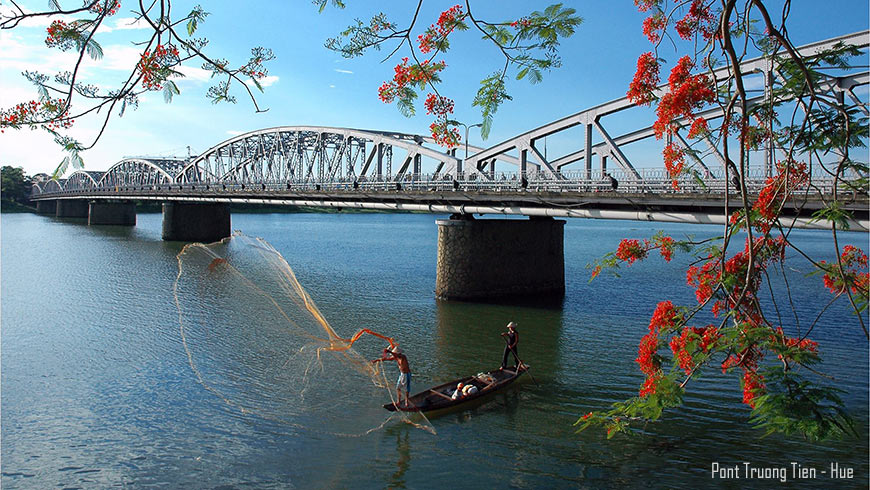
(528, 368)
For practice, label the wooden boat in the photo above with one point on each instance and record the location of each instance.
(439, 397)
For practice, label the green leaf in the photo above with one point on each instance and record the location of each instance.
(522, 73)
(257, 84)
(191, 26)
(53, 6)
(169, 89)
(94, 50)
(43, 93)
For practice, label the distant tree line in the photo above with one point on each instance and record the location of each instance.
(15, 190)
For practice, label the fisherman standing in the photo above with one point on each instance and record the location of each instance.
(403, 384)
(512, 337)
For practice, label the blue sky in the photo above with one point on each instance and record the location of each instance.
(310, 85)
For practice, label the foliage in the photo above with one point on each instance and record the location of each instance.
(165, 47)
(799, 120)
(15, 186)
(529, 46)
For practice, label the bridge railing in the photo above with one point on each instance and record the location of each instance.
(647, 181)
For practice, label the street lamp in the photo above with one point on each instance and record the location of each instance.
(467, 128)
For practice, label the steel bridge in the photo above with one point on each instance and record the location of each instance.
(366, 169)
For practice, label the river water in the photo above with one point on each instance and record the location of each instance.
(97, 390)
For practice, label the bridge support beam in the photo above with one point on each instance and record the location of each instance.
(47, 206)
(72, 208)
(196, 222)
(112, 213)
(498, 258)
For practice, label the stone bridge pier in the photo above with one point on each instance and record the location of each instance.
(46, 206)
(72, 208)
(120, 213)
(196, 222)
(498, 258)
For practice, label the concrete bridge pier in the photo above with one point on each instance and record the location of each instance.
(196, 222)
(47, 206)
(121, 213)
(499, 258)
(72, 208)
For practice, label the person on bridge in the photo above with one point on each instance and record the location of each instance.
(403, 384)
(512, 338)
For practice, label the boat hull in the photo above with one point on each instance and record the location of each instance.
(438, 398)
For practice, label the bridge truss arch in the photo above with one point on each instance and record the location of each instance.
(312, 154)
(141, 172)
(53, 186)
(597, 139)
(82, 180)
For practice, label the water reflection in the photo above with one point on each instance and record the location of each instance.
(468, 337)
(403, 462)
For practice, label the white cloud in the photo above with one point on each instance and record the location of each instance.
(193, 74)
(339, 70)
(331, 86)
(125, 23)
(232, 132)
(268, 81)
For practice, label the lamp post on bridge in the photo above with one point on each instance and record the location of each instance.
(467, 129)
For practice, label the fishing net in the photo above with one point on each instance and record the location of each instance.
(255, 338)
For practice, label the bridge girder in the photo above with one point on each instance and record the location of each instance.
(82, 180)
(301, 154)
(524, 145)
(140, 172)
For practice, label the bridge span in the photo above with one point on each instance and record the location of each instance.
(369, 169)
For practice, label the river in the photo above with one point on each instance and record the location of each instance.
(97, 390)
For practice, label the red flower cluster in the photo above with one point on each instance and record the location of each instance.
(57, 35)
(641, 91)
(794, 342)
(521, 22)
(436, 104)
(777, 189)
(686, 94)
(644, 5)
(705, 338)
(633, 250)
(439, 31)
(674, 159)
(664, 318)
(703, 279)
(152, 65)
(404, 75)
(698, 19)
(854, 275)
(653, 26)
(630, 251)
(666, 247)
(50, 113)
(649, 363)
(706, 279)
(444, 134)
(254, 68)
(699, 128)
(753, 386)
(109, 6)
(753, 383)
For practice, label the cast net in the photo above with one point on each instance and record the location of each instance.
(255, 338)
